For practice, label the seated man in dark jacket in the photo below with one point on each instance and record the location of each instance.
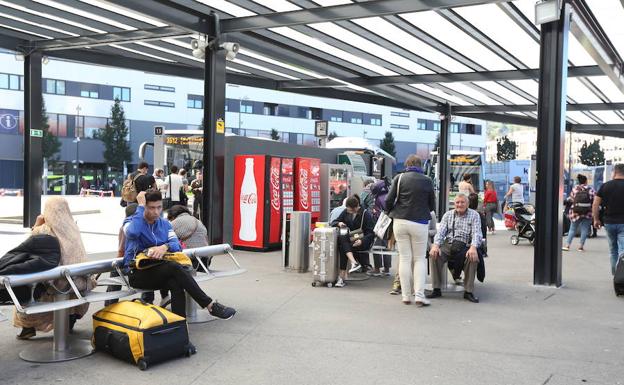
(352, 219)
(147, 230)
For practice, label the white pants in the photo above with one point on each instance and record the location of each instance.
(411, 240)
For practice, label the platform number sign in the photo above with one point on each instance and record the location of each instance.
(158, 130)
(320, 128)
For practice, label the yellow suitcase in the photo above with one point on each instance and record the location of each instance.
(141, 333)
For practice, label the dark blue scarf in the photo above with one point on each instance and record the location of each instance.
(414, 168)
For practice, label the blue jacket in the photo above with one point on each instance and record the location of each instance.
(140, 235)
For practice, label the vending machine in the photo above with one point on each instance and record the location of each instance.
(335, 187)
(263, 188)
(308, 187)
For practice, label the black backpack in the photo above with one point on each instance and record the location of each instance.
(582, 202)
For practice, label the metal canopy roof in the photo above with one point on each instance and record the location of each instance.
(479, 56)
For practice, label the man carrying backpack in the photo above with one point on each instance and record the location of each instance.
(581, 199)
(135, 183)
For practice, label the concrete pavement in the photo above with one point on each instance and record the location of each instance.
(287, 332)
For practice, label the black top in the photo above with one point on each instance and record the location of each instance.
(611, 194)
(416, 198)
(363, 218)
(144, 183)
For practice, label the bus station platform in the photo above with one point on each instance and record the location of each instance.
(288, 332)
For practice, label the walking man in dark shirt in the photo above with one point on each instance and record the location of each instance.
(609, 196)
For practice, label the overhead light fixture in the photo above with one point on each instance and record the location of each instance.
(45, 60)
(547, 11)
(19, 56)
(231, 50)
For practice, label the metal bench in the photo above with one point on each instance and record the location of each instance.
(65, 348)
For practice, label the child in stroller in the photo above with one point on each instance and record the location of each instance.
(524, 215)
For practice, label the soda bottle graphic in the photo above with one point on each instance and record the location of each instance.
(248, 203)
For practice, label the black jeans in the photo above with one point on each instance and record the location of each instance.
(174, 277)
(345, 246)
(197, 206)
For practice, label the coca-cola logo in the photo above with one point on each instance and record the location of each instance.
(249, 199)
(303, 188)
(275, 189)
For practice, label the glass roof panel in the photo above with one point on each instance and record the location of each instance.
(366, 45)
(471, 92)
(495, 23)
(236, 70)
(580, 93)
(329, 3)
(278, 63)
(441, 94)
(319, 45)
(169, 51)
(51, 17)
(580, 117)
(577, 54)
(609, 117)
(227, 7)
(435, 25)
(85, 14)
(395, 34)
(256, 66)
(503, 92)
(528, 8)
(610, 14)
(529, 86)
(25, 21)
(24, 31)
(126, 12)
(278, 5)
(142, 53)
(608, 88)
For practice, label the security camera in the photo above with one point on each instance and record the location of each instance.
(199, 53)
(194, 44)
(199, 44)
(231, 50)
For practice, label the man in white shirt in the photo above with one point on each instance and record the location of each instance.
(174, 183)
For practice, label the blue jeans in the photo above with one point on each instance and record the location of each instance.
(615, 233)
(584, 224)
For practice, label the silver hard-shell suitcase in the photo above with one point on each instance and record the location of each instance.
(325, 256)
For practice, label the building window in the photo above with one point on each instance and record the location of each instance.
(159, 88)
(269, 109)
(335, 118)
(356, 120)
(195, 101)
(246, 108)
(422, 124)
(401, 114)
(11, 82)
(304, 113)
(55, 87)
(90, 94)
(283, 110)
(121, 93)
(400, 126)
(454, 128)
(158, 103)
(316, 113)
(436, 126)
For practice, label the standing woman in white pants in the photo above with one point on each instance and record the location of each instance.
(410, 202)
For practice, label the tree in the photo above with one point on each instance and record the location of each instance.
(505, 149)
(436, 144)
(332, 136)
(591, 154)
(114, 136)
(275, 135)
(51, 144)
(387, 144)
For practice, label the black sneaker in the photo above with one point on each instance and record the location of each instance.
(26, 333)
(222, 311)
(435, 293)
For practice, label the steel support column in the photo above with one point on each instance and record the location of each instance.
(443, 160)
(214, 134)
(33, 142)
(550, 141)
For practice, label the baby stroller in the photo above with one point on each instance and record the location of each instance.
(524, 216)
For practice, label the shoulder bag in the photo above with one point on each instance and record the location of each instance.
(384, 221)
(142, 261)
(166, 202)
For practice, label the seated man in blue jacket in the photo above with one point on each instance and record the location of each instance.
(147, 230)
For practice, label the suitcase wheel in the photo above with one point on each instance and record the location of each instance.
(329, 284)
(313, 284)
(190, 351)
(142, 364)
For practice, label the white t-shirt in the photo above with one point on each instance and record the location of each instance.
(517, 193)
(176, 182)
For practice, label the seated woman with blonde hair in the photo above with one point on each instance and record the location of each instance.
(57, 221)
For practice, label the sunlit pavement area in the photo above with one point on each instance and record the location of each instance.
(288, 332)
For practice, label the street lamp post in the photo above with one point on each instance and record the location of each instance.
(77, 141)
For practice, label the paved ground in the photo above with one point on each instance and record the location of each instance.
(287, 332)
